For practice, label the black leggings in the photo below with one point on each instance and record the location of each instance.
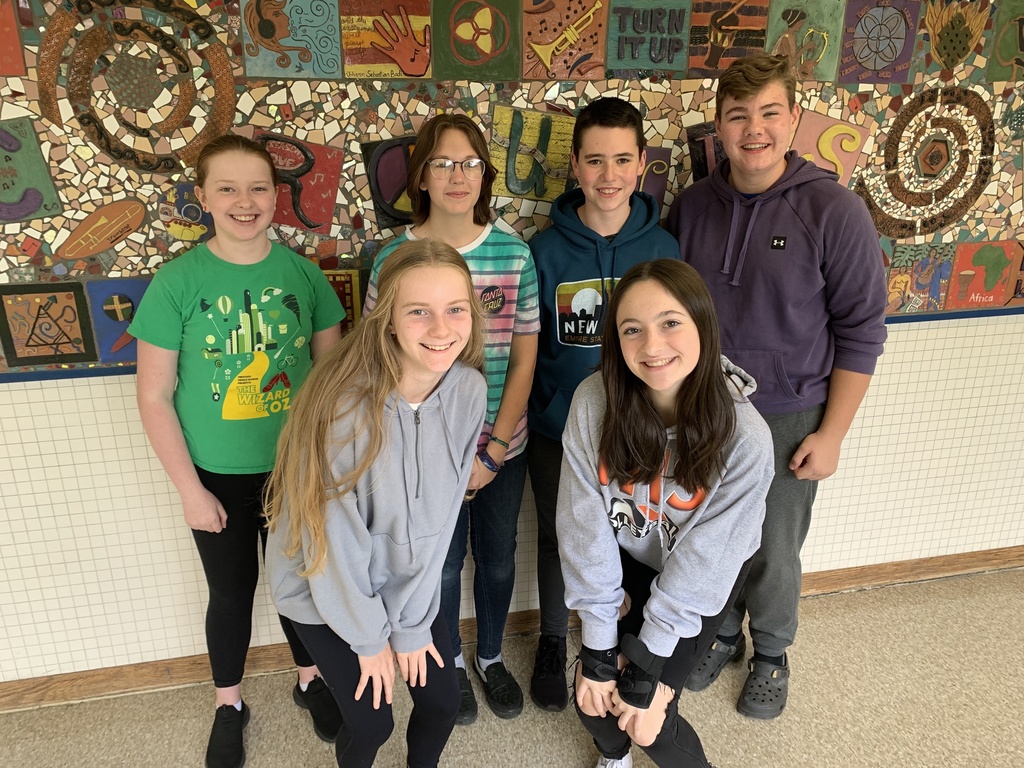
(232, 571)
(364, 730)
(677, 745)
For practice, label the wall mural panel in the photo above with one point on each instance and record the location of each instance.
(917, 107)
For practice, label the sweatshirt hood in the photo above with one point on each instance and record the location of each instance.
(744, 381)
(745, 209)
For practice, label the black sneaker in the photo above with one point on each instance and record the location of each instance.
(225, 747)
(319, 700)
(504, 696)
(547, 686)
(467, 699)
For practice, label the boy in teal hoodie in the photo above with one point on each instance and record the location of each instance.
(597, 232)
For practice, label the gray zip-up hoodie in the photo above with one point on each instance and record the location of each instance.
(697, 542)
(387, 540)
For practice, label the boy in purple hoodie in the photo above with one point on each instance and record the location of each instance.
(793, 263)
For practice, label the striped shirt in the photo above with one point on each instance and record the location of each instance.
(505, 279)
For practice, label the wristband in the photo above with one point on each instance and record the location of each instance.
(499, 441)
(488, 462)
(639, 680)
(599, 666)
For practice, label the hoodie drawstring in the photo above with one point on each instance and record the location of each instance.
(743, 248)
(733, 225)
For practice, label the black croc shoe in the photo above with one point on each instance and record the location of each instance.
(319, 700)
(765, 692)
(714, 661)
(504, 696)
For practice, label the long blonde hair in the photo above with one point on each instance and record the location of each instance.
(353, 379)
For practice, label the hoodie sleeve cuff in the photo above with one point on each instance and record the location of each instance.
(409, 641)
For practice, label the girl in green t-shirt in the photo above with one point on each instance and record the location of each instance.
(217, 443)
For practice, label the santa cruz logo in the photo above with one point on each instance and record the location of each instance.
(493, 299)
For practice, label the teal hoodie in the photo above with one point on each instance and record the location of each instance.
(576, 272)
(387, 539)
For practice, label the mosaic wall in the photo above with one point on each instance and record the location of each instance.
(917, 106)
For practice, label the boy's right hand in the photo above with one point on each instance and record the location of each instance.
(379, 671)
(203, 511)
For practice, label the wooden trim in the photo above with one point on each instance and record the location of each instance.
(904, 571)
(131, 678)
(188, 670)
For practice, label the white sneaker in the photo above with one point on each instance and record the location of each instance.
(607, 762)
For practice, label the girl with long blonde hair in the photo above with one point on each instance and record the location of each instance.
(374, 462)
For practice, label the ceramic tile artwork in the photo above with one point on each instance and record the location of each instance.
(650, 35)
(477, 39)
(109, 122)
(386, 38)
(12, 62)
(297, 39)
(809, 32)
(564, 39)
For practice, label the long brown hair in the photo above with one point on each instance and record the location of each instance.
(426, 144)
(633, 439)
(353, 380)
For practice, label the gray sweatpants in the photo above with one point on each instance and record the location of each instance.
(771, 591)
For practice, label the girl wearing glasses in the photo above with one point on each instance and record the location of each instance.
(449, 186)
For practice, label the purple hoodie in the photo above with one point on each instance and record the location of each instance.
(797, 277)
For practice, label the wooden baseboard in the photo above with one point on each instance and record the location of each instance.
(904, 571)
(187, 670)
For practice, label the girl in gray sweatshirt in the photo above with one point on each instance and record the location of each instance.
(662, 494)
(372, 468)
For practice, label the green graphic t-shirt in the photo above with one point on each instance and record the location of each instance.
(242, 333)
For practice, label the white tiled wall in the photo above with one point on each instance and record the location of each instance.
(99, 570)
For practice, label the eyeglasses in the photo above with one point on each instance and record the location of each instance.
(443, 168)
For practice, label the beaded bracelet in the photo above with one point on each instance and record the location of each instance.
(488, 462)
(499, 441)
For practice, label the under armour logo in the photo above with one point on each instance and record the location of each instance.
(778, 243)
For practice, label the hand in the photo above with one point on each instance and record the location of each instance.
(593, 698)
(643, 725)
(379, 671)
(413, 666)
(411, 56)
(627, 603)
(816, 458)
(480, 475)
(203, 511)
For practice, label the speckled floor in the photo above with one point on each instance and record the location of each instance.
(917, 676)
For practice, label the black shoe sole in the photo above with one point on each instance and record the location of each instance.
(547, 707)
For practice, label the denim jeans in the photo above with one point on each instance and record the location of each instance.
(489, 521)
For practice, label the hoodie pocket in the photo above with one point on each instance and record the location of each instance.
(769, 371)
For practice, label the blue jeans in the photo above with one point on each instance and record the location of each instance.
(490, 521)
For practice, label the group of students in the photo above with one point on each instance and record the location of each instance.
(612, 360)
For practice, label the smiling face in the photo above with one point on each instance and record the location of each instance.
(239, 193)
(455, 195)
(432, 323)
(607, 167)
(756, 133)
(659, 341)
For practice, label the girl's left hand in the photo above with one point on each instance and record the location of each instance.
(413, 666)
(643, 725)
(480, 475)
